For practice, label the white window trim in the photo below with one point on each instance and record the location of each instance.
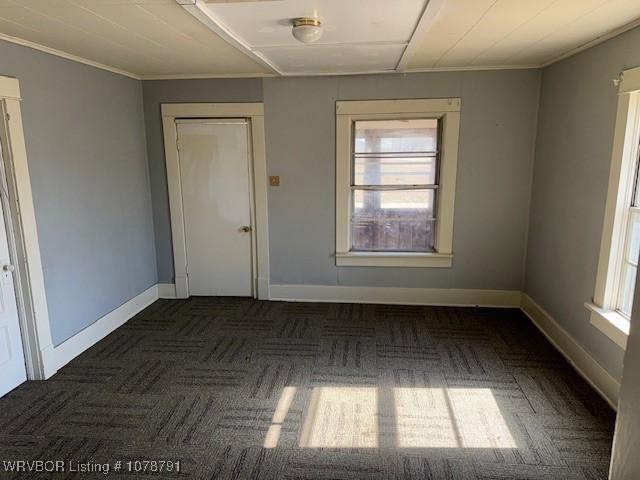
(446, 109)
(621, 177)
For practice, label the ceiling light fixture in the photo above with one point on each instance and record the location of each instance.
(306, 29)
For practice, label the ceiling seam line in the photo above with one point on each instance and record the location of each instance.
(65, 24)
(466, 33)
(515, 29)
(560, 28)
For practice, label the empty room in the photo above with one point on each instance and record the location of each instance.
(320, 239)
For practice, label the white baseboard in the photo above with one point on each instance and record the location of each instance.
(69, 349)
(167, 290)
(394, 295)
(391, 295)
(605, 384)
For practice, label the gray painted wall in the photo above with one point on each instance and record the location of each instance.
(497, 136)
(84, 134)
(494, 173)
(155, 93)
(573, 155)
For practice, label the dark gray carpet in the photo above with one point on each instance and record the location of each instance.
(243, 389)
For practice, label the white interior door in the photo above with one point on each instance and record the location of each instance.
(12, 368)
(216, 202)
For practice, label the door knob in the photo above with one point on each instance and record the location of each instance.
(245, 228)
(8, 268)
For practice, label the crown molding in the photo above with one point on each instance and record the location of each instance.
(67, 56)
(594, 42)
(472, 68)
(196, 76)
(338, 74)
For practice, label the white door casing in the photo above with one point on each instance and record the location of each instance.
(254, 113)
(215, 178)
(12, 363)
(24, 248)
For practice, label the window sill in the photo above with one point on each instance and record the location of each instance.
(611, 323)
(380, 259)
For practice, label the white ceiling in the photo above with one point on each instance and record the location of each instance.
(359, 35)
(160, 38)
(516, 32)
(143, 37)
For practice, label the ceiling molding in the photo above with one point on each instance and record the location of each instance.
(342, 74)
(417, 70)
(196, 76)
(67, 56)
(594, 42)
(199, 10)
(473, 68)
(427, 18)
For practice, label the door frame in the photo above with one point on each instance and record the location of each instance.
(254, 113)
(22, 236)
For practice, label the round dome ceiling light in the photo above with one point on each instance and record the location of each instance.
(307, 30)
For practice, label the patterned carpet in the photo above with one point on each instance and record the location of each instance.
(245, 389)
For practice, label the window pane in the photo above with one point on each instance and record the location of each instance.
(411, 135)
(627, 285)
(393, 220)
(635, 201)
(633, 243)
(394, 171)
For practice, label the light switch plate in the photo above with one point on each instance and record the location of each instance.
(274, 181)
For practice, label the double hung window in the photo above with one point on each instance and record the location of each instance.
(396, 166)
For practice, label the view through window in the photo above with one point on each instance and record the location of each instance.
(631, 249)
(394, 185)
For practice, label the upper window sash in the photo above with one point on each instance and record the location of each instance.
(427, 148)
